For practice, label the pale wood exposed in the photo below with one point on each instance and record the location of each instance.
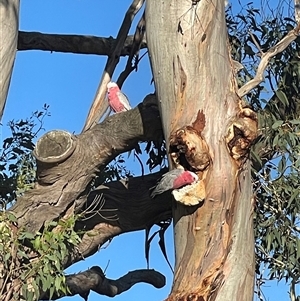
(9, 26)
(214, 244)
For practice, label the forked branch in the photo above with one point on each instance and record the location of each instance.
(133, 58)
(99, 105)
(279, 47)
(94, 280)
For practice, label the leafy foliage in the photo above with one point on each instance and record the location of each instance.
(275, 157)
(156, 151)
(34, 262)
(163, 226)
(114, 171)
(17, 165)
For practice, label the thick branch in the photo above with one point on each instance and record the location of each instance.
(61, 183)
(214, 244)
(72, 43)
(120, 207)
(95, 280)
(279, 47)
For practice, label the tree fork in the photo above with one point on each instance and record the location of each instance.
(193, 74)
(68, 163)
(94, 280)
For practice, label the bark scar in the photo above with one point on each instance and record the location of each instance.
(188, 148)
(242, 133)
(183, 77)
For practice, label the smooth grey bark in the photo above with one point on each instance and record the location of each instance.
(9, 25)
(197, 93)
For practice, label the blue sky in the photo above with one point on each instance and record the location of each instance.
(67, 82)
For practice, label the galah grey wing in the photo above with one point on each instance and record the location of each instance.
(124, 100)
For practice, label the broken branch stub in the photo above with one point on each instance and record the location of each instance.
(51, 150)
(188, 149)
(241, 134)
(54, 147)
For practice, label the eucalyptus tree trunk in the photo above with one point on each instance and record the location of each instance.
(9, 24)
(208, 131)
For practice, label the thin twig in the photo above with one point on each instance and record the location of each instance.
(256, 43)
(135, 49)
(96, 207)
(279, 47)
(141, 163)
(99, 105)
(292, 291)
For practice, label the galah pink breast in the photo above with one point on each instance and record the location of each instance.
(117, 100)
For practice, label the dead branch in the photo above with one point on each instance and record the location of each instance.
(95, 280)
(279, 47)
(134, 53)
(73, 43)
(126, 207)
(99, 105)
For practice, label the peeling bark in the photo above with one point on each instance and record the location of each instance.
(214, 244)
(9, 24)
(208, 131)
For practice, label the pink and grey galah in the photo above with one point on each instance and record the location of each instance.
(116, 99)
(174, 179)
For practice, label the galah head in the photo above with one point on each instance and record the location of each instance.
(185, 178)
(112, 85)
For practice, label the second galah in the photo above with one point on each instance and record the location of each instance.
(117, 100)
(174, 179)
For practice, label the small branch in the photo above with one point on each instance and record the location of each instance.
(72, 43)
(99, 105)
(293, 295)
(279, 47)
(95, 280)
(116, 287)
(255, 42)
(135, 49)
